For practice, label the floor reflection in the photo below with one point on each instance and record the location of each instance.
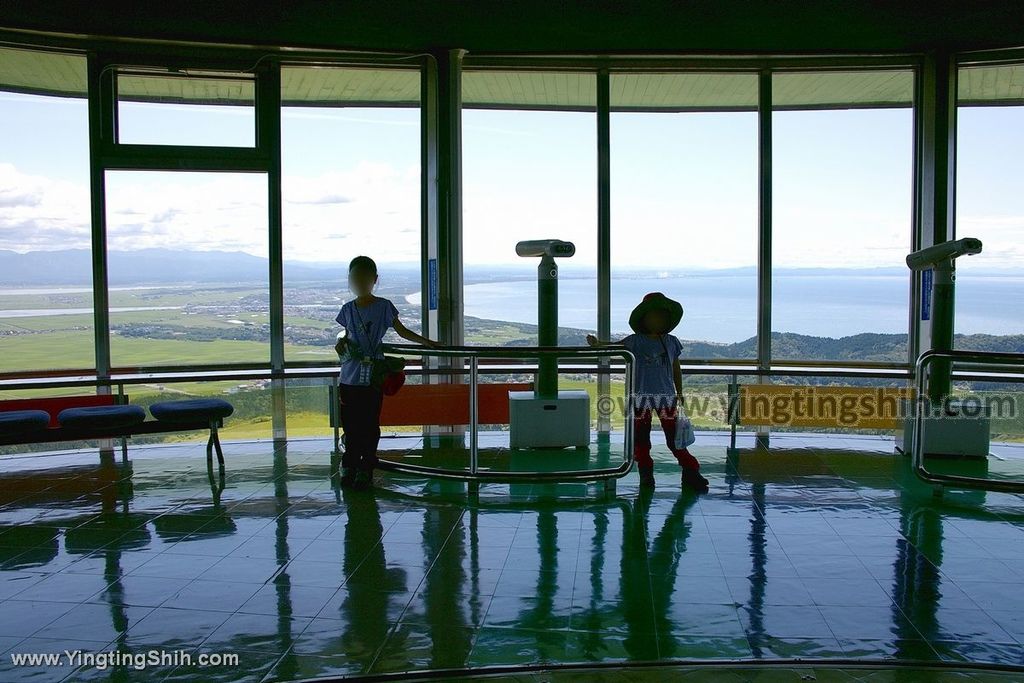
(797, 552)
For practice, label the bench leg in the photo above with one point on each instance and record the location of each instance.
(124, 449)
(213, 443)
(216, 483)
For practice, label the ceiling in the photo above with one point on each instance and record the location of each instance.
(65, 74)
(543, 26)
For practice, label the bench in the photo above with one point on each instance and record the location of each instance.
(791, 405)
(436, 404)
(106, 416)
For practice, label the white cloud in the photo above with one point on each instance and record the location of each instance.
(38, 213)
(203, 211)
(381, 217)
(374, 209)
(1002, 237)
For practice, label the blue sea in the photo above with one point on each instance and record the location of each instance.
(722, 308)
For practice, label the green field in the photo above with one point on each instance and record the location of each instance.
(220, 324)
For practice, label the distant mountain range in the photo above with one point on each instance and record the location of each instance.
(867, 346)
(148, 266)
(174, 266)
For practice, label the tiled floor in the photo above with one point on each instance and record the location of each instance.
(824, 548)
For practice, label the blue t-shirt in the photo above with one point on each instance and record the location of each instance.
(652, 373)
(366, 327)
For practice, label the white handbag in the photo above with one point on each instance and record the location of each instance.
(684, 431)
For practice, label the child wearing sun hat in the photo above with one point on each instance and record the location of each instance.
(658, 384)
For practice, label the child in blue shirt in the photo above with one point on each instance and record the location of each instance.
(658, 383)
(366, 319)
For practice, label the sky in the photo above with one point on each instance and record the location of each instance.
(684, 186)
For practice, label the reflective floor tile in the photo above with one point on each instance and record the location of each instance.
(280, 598)
(412, 647)
(219, 596)
(25, 617)
(416, 575)
(174, 628)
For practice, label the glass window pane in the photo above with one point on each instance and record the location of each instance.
(842, 185)
(529, 174)
(186, 110)
(684, 205)
(351, 187)
(989, 206)
(188, 269)
(46, 313)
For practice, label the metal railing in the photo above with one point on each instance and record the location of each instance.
(1005, 363)
(67, 379)
(471, 355)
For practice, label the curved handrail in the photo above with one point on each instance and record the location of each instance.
(473, 354)
(207, 373)
(923, 406)
(509, 351)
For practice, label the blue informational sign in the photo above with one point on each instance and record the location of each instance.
(432, 284)
(926, 294)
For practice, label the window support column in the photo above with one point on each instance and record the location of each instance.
(442, 267)
(604, 285)
(934, 195)
(268, 143)
(764, 231)
(102, 127)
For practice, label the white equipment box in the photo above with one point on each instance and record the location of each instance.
(965, 433)
(549, 422)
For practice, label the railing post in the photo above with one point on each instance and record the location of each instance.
(925, 407)
(627, 414)
(474, 476)
(473, 415)
(334, 411)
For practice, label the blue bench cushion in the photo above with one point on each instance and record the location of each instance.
(101, 417)
(23, 421)
(192, 410)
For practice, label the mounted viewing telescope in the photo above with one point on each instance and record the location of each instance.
(546, 383)
(528, 248)
(548, 417)
(943, 252)
(953, 432)
(939, 259)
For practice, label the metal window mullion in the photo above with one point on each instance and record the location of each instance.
(268, 134)
(764, 233)
(450, 306)
(268, 145)
(449, 154)
(924, 96)
(429, 248)
(604, 285)
(934, 194)
(102, 127)
(115, 161)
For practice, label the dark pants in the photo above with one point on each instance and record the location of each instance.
(360, 418)
(642, 437)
